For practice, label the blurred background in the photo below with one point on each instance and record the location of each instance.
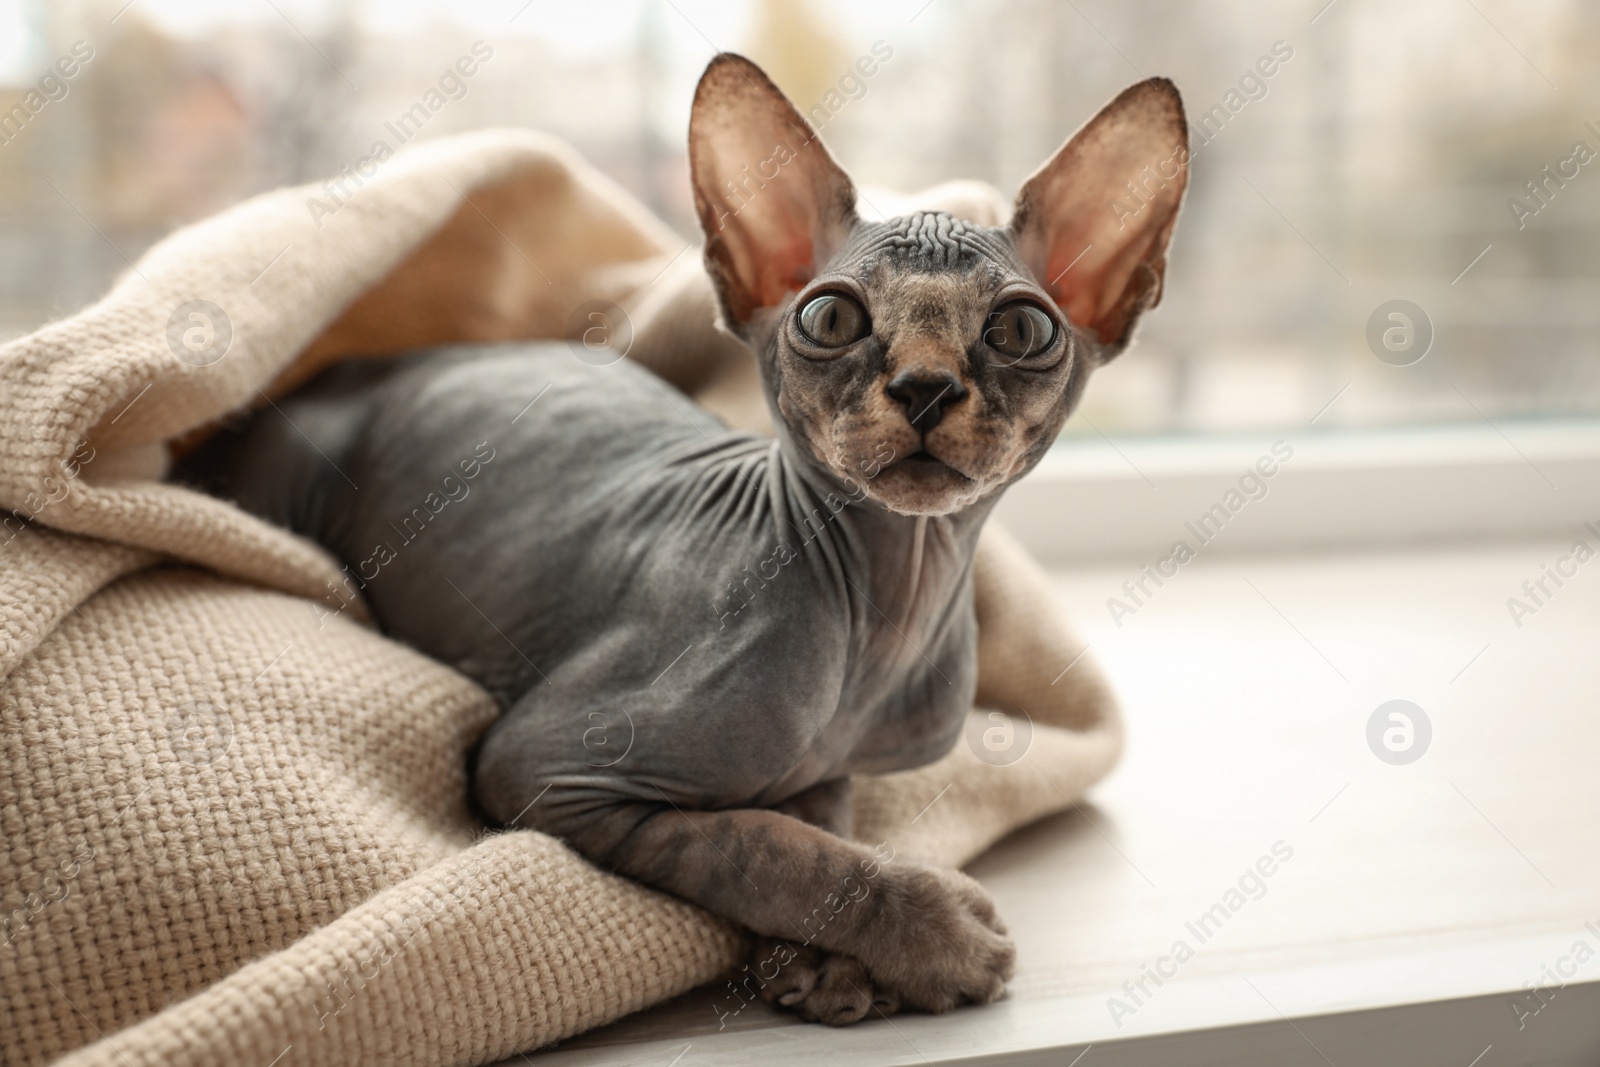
(1396, 151)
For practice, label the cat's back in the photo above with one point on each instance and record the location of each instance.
(497, 504)
(526, 395)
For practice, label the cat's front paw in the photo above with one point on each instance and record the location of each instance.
(936, 940)
(819, 986)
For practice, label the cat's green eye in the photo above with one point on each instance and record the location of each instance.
(1020, 329)
(833, 320)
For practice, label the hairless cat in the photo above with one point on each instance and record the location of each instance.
(698, 635)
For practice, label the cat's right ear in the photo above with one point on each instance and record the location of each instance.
(773, 203)
(1094, 222)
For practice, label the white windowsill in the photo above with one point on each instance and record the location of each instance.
(1129, 499)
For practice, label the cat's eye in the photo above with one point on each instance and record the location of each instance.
(833, 320)
(1019, 330)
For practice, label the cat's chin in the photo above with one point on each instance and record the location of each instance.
(922, 484)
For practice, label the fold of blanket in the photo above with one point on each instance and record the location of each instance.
(233, 818)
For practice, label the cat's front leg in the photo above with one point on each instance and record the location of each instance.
(928, 937)
(791, 972)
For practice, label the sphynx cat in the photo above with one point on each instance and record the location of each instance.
(699, 635)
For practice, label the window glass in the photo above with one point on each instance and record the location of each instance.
(1392, 216)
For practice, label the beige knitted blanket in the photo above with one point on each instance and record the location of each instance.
(233, 825)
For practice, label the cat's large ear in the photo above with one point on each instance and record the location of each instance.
(772, 202)
(1094, 222)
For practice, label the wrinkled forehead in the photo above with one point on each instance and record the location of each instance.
(933, 266)
(929, 242)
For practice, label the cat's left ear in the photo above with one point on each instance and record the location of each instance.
(773, 204)
(1094, 222)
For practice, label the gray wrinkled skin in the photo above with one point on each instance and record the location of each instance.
(624, 573)
(698, 634)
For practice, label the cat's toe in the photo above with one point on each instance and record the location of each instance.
(798, 969)
(843, 993)
(819, 986)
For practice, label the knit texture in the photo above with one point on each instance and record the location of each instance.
(233, 818)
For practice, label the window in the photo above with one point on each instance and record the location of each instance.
(1439, 153)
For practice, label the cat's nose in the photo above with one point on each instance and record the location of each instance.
(925, 395)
